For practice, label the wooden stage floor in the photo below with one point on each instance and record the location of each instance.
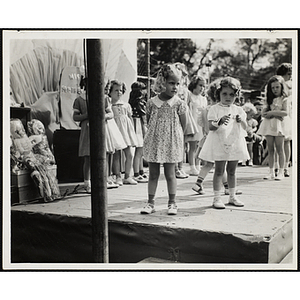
(261, 232)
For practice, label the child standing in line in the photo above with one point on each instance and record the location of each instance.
(114, 141)
(252, 124)
(208, 165)
(137, 100)
(80, 114)
(285, 70)
(163, 144)
(123, 117)
(225, 142)
(196, 103)
(276, 124)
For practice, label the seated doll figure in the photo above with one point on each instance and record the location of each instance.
(38, 138)
(22, 146)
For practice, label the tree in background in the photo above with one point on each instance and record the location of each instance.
(253, 61)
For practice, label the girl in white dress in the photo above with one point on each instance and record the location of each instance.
(123, 117)
(276, 124)
(225, 141)
(196, 103)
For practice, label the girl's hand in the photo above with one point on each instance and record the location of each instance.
(224, 120)
(238, 118)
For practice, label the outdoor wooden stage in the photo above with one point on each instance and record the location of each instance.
(261, 232)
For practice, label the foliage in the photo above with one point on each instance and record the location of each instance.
(253, 61)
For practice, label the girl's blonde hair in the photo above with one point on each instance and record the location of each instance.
(166, 71)
(248, 107)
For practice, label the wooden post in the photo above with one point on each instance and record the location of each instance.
(96, 107)
(148, 68)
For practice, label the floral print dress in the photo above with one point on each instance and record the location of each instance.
(163, 141)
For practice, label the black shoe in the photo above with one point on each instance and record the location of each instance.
(286, 173)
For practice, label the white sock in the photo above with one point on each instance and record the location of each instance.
(272, 171)
(231, 192)
(87, 183)
(217, 194)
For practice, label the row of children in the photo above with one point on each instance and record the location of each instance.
(125, 130)
(216, 131)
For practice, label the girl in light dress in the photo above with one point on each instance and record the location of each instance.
(276, 124)
(225, 143)
(123, 117)
(196, 103)
(163, 143)
(285, 70)
(208, 165)
(114, 139)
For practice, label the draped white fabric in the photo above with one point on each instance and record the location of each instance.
(39, 71)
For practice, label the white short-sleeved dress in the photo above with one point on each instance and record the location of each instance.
(196, 104)
(163, 141)
(114, 139)
(227, 143)
(274, 126)
(122, 111)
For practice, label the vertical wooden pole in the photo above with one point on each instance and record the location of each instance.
(148, 68)
(95, 71)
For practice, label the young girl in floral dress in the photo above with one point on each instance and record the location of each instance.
(163, 144)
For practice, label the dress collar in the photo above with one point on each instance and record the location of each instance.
(159, 102)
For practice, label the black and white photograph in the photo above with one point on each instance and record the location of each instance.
(150, 149)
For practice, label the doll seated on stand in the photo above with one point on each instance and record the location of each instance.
(38, 138)
(22, 153)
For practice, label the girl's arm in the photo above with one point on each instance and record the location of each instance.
(78, 117)
(108, 113)
(215, 124)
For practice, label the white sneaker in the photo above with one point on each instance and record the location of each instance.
(250, 163)
(243, 163)
(217, 203)
(279, 176)
(184, 174)
(236, 202)
(148, 209)
(119, 181)
(140, 179)
(172, 209)
(270, 176)
(194, 172)
(198, 188)
(129, 180)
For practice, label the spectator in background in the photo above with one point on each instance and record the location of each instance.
(259, 144)
(251, 128)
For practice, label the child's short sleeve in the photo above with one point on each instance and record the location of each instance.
(212, 113)
(76, 104)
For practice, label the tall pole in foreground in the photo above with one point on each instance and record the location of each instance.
(95, 71)
(148, 69)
